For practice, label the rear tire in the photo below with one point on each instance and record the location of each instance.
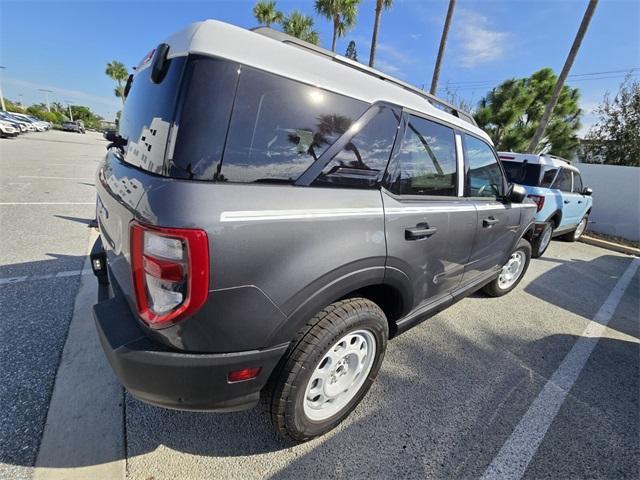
(512, 271)
(574, 235)
(542, 242)
(341, 347)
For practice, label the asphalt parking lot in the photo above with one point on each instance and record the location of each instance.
(541, 383)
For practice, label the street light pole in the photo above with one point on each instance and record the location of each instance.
(1, 95)
(70, 113)
(46, 92)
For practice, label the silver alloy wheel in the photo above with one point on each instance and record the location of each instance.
(339, 375)
(512, 270)
(546, 239)
(580, 229)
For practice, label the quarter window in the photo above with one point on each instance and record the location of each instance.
(426, 160)
(548, 176)
(485, 178)
(564, 181)
(279, 127)
(363, 160)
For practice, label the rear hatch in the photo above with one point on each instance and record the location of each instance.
(134, 163)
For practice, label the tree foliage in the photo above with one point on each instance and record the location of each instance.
(615, 138)
(301, 26)
(266, 13)
(342, 13)
(118, 72)
(351, 51)
(511, 112)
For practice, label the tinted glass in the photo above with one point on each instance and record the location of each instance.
(564, 181)
(577, 183)
(204, 118)
(485, 177)
(279, 127)
(426, 160)
(147, 116)
(364, 159)
(548, 176)
(522, 172)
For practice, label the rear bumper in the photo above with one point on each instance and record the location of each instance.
(178, 380)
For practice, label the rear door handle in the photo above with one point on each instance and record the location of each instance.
(421, 230)
(489, 222)
(567, 201)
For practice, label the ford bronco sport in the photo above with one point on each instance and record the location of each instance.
(271, 214)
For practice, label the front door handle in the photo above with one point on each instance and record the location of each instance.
(579, 201)
(421, 230)
(489, 222)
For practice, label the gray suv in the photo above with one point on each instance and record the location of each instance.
(271, 214)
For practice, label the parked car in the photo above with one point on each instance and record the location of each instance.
(563, 202)
(4, 117)
(8, 130)
(23, 124)
(75, 126)
(307, 209)
(38, 125)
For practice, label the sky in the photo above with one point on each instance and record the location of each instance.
(64, 46)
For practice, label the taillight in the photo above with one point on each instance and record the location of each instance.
(539, 199)
(170, 272)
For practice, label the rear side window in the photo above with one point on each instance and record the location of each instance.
(426, 160)
(363, 160)
(279, 127)
(564, 181)
(204, 118)
(548, 176)
(147, 116)
(485, 177)
(522, 172)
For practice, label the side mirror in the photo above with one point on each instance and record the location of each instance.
(587, 191)
(516, 193)
(111, 136)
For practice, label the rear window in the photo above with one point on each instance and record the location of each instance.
(147, 115)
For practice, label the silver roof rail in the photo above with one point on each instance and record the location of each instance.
(435, 101)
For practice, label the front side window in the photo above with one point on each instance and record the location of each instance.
(563, 182)
(485, 177)
(426, 160)
(577, 183)
(363, 160)
(279, 127)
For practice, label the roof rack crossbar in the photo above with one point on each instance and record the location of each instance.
(435, 101)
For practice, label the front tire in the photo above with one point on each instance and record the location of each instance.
(575, 235)
(512, 271)
(327, 370)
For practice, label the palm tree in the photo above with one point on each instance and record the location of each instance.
(118, 72)
(537, 136)
(343, 14)
(380, 4)
(443, 44)
(266, 13)
(300, 26)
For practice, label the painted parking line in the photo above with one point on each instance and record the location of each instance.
(516, 453)
(31, 278)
